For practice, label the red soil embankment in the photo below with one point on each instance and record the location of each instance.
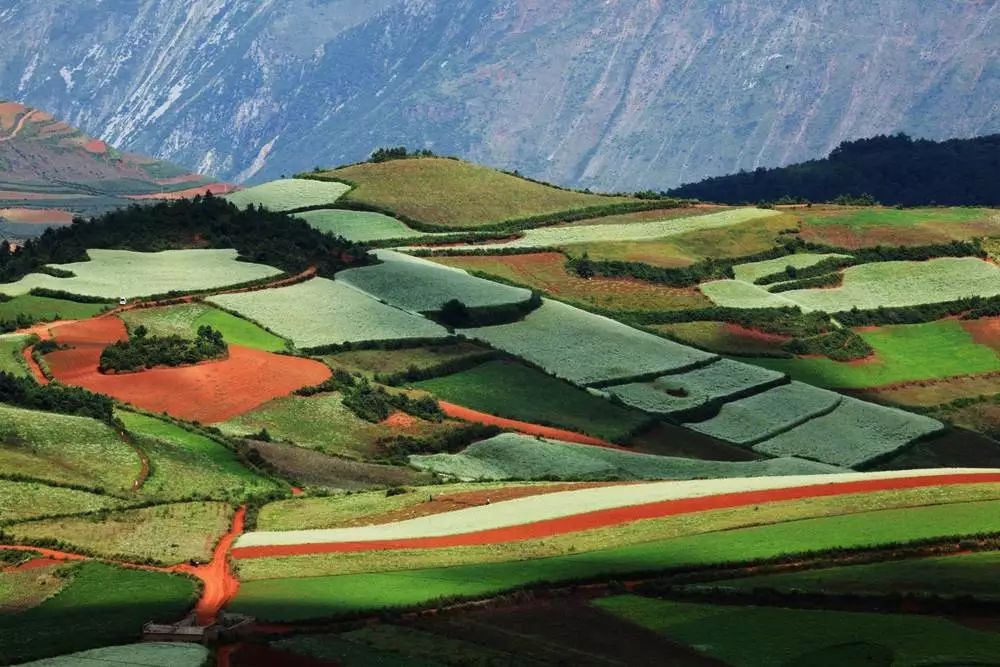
(207, 392)
(221, 585)
(470, 415)
(188, 193)
(619, 515)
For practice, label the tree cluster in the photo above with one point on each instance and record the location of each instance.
(26, 393)
(890, 169)
(144, 351)
(397, 153)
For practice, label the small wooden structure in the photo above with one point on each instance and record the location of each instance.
(228, 627)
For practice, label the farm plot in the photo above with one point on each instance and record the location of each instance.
(184, 319)
(147, 654)
(972, 574)
(21, 501)
(870, 226)
(894, 284)
(101, 603)
(418, 285)
(115, 273)
(288, 194)
(852, 434)
(326, 312)
(510, 456)
(289, 599)
(65, 450)
(26, 588)
(585, 348)
(187, 464)
(808, 636)
(724, 337)
(164, 534)
(358, 226)
(538, 398)
(761, 416)
(11, 361)
(47, 309)
(392, 362)
(546, 237)
(754, 271)
(457, 194)
(739, 294)
(322, 422)
(546, 272)
(704, 387)
(903, 353)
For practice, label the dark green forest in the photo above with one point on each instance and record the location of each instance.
(891, 169)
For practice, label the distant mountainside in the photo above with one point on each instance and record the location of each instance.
(50, 171)
(892, 169)
(609, 95)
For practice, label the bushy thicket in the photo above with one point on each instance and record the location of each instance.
(26, 393)
(890, 169)
(397, 449)
(144, 351)
(820, 268)
(372, 402)
(971, 308)
(839, 345)
(261, 236)
(825, 280)
(456, 315)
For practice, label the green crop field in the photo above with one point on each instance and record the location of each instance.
(46, 308)
(419, 285)
(21, 501)
(326, 596)
(351, 648)
(538, 398)
(973, 574)
(186, 464)
(11, 361)
(24, 589)
(184, 320)
(756, 270)
(102, 604)
(510, 456)
(585, 348)
(164, 534)
(453, 193)
(739, 294)
(808, 637)
(322, 422)
(322, 312)
(65, 450)
(114, 273)
(903, 353)
(289, 194)
(545, 237)
(708, 385)
(360, 226)
(854, 433)
(546, 272)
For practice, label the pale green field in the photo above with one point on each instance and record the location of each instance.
(21, 501)
(289, 193)
(321, 312)
(739, 294)
(184, 319)
(755, 270)
(114, 273)
(359, 226)
(11, 361)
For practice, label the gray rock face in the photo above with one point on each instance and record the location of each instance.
(610, 95)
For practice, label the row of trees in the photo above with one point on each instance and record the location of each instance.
(144, 351)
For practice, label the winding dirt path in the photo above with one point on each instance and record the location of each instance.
(617, 516)
(527, 428)
(21, 122)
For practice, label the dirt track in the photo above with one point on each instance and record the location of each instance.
(617, 516)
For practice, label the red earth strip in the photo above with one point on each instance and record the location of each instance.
(221, 585)
(470, 415)
(617, 516)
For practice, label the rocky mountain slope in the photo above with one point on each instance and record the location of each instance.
(611, 95)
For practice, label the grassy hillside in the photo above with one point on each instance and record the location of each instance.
(457, 194)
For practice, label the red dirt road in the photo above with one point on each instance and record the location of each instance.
(208, 392)
(221, 585)
(470, 415)
(619, 515)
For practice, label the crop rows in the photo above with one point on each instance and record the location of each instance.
(358, 226)
(289, 193)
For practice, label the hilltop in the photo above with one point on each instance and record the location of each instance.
(891, 169)
(51, 171)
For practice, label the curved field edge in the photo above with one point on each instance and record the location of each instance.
(319, 597)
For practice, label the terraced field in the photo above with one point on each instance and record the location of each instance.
(185, 319)
(859, 227)
(47, 308)
(457, 194)
(360, 226)
(326, 312)
(111, 274)
(289, 194)
(755, 271)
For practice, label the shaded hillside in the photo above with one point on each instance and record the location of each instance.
(50, 171)
(893, 170)
(608, 95)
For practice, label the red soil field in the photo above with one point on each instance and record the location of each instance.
(17, 194)
(33, 564)
(214, 188)
(399, 420)
(754, 335)
(96, 146)
(208, 392)
(985, 331)
(36, 215)
(470, 415)
(618, 515)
